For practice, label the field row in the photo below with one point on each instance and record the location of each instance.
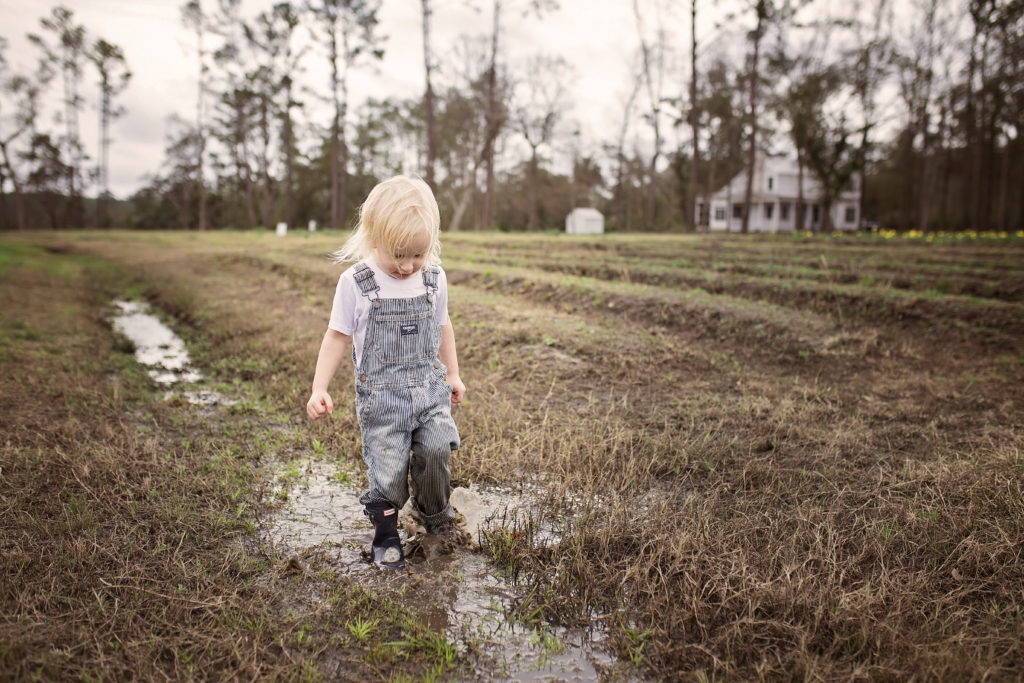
(998, 274)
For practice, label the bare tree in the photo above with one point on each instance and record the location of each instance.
(66, 56)
(806, 80)
(193, 18)
(619, 193)
(428, 96)
(871, 62)
(538, 110)
(495, 111)
(495, 116)
(693, 117)
(348, 29)
(466, 126)
(21, 93)
(652, 59)
(762, 9)
(272, 41)
(916, 71)
(721, 106)
(237, 112)
(114, 77)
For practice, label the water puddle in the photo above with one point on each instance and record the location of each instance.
(162, 352)
(458, 592)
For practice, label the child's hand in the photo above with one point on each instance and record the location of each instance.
(458, 388)
(318, 404)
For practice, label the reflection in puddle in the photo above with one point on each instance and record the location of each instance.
(458, 594)
(162, 351)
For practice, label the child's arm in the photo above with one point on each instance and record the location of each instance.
(333, 349)
(450, 358)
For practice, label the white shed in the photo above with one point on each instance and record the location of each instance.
(584, 221)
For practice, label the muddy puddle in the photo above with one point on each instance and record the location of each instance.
(313, 506)
(163, 354)
(454, 591)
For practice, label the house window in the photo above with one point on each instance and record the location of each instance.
(815, 214)
(719, 213)
(771, 183)
(851, 214)
(784, 211)
(768, 210)
(737, 211)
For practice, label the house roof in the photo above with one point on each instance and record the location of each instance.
(586, 211)
(785, 173)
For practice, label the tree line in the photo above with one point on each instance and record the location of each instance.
(923, 99)
(50, 166)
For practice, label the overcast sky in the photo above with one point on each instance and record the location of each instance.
(598, 38)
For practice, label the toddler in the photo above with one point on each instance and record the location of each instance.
(391, 308)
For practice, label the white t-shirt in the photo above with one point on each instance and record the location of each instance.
(351, 310)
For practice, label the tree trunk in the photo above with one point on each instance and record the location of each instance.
(985, 144)
(460, 208)
(289, 158)
(1019, 156)
(102, 218)
(691, 186)
(945, 169)
(925, 200)
(652, 185)
(762, 14)
(19, 200)
(467, 194)
(200, 126)
(534, 181)
(242, 163)
(337, 185)
(492, 121)
(428, 98)
(266, 195)
(970, 129)
(798, 219)
(1004, 176)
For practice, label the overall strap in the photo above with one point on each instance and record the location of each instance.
(430, 274)
(367, 283)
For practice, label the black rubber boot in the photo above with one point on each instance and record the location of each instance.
(386, 548)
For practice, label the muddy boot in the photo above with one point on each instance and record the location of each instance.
(451, 532)
(386, 549)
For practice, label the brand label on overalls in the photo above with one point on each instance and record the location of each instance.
(410, 328)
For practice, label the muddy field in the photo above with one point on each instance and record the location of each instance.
(692, 457)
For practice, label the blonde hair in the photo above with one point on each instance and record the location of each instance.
(395, 210)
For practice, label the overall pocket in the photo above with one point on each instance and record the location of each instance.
(406, 338)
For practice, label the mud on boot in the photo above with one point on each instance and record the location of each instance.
(454, 534)
(386, 548)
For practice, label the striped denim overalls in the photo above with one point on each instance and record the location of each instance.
(404, 403)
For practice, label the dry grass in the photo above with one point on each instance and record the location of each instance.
(748, 489)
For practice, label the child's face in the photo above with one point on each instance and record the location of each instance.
(407, 260)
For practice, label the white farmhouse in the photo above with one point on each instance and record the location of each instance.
(584, 221)
(774, 201)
